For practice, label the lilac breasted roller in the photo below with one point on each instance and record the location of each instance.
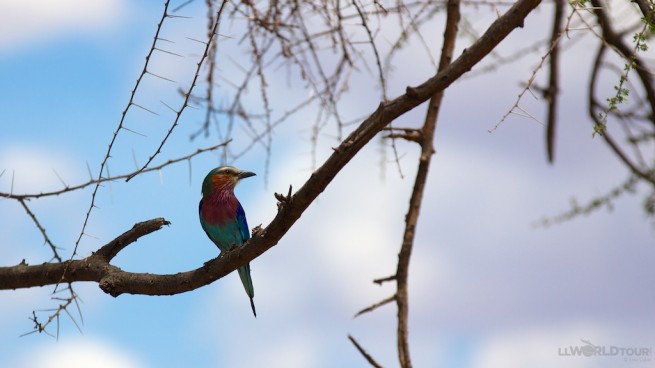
(223, 218)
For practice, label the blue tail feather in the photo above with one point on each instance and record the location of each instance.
(246, 280)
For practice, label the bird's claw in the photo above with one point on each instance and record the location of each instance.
(256, 230)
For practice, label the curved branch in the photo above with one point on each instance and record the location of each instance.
(616, 41)
(647, 175)
(95, 267)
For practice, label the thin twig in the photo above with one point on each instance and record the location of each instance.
(553, 45)
(112, 178)
(371, 40)
(187, 94)
(366, 355)
(38, 225)
(646, 174)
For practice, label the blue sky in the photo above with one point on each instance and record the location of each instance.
(487, 289)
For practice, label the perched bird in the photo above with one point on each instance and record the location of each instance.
(223, 218)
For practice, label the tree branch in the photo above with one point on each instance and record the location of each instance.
(552, 93)
(616, 41)
(385, 113)
(411, 219)
(646, 173)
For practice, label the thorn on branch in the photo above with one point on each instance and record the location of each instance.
(168, 52)
(143, 108)
(376, 305)
(197, 40)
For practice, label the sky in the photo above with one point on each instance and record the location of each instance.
(487, 288)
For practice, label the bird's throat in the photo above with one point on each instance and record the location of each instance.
(219, 207)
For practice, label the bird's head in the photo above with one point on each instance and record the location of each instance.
(223, 177)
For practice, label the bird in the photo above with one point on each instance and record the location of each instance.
(223, 218)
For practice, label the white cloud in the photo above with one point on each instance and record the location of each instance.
(80, 353)
(284, 351)
(28, 21)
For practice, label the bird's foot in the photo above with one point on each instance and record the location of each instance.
(256, 231)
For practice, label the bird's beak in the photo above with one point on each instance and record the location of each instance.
(245, 174)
